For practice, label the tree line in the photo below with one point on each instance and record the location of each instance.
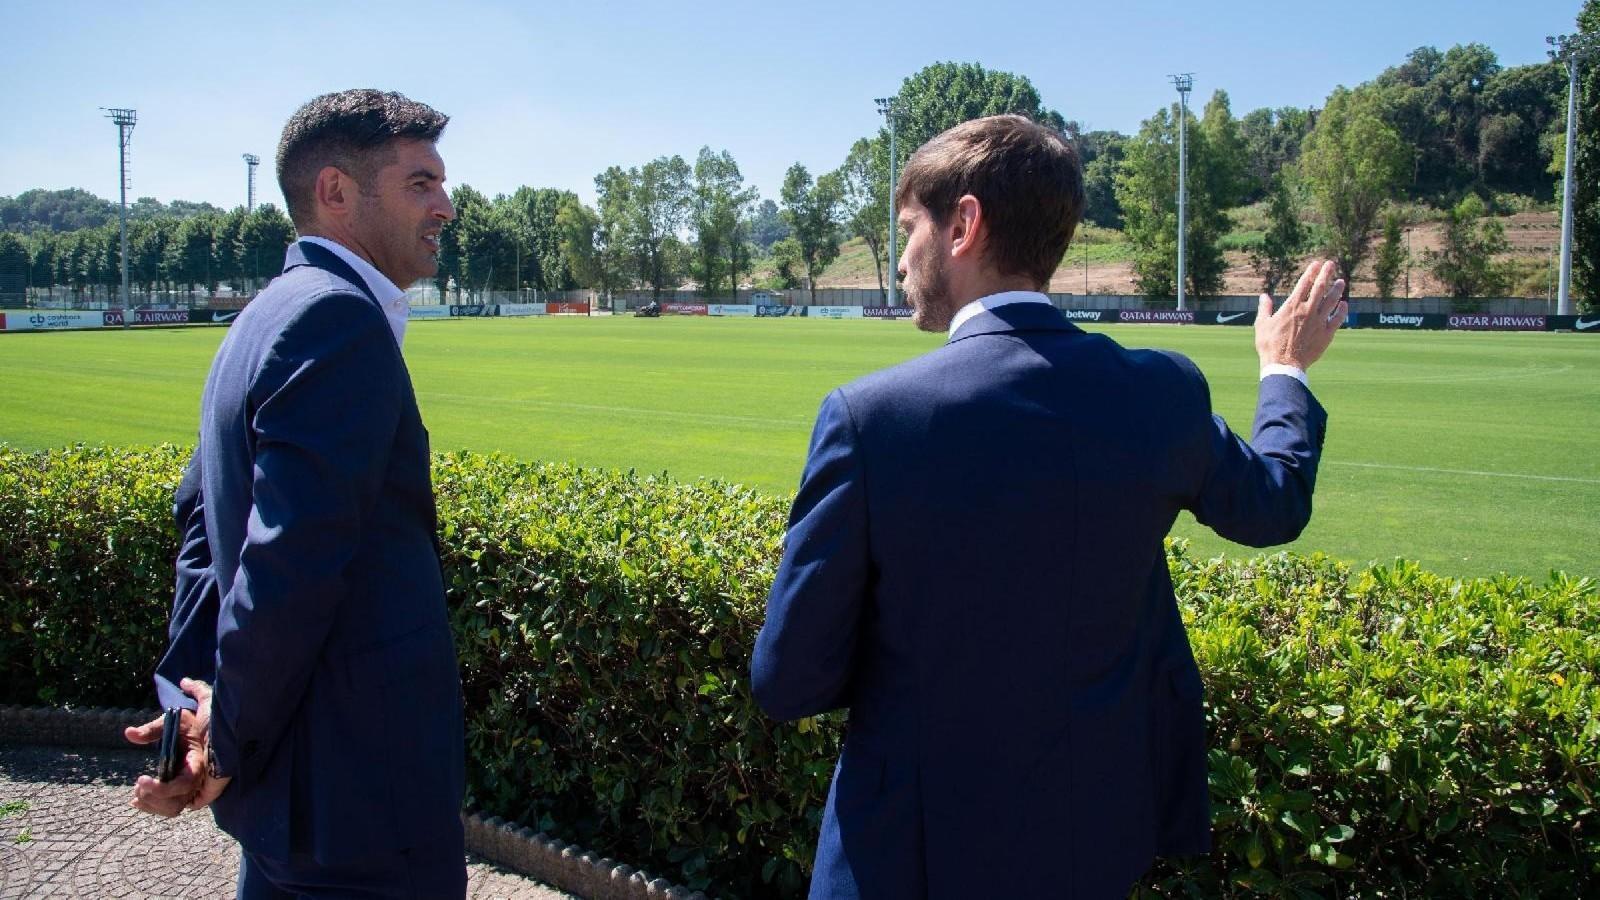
(1452, 130)
(174, 253)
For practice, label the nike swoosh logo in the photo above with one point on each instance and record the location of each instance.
(222, 317)
(1582, 325)
(1223, 320)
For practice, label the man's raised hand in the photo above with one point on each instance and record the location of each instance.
(1304, 325)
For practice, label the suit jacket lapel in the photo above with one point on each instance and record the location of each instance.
(1014, 317)
(305, 253)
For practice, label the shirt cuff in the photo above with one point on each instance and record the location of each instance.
(1294, 372)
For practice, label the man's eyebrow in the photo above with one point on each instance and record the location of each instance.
(425, 173)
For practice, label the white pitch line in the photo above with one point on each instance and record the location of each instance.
(1361, 465)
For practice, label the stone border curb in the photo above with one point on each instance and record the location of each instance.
(566, 867)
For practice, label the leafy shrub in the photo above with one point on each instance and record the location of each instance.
(1384, 732)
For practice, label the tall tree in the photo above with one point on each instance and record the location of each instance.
(864, 201)
(811, 209)
(1392, 255)
(766, 224)
(1147, 189)
(14, 265)
(644, 208)
(1465, 261)
(263, 237)
(1271, 141)
(1279, 255)
(1586, 175)
(718, 200)
(1102, 153)
(946, 94)
(595, 258)
(1225, 156)
(1354, 162)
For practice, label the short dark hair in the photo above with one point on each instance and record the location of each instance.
(351, 131)
(1026, 177)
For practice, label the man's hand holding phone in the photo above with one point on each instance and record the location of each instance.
(181, 781)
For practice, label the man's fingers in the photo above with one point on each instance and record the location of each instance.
(1263, 308)
(148, 733)
(1319, 285)
(162, 799)
(1341, 311)
(1334, 297)
(199, 690)
(1302, 286)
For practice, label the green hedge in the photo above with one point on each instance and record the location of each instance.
(1376, 733)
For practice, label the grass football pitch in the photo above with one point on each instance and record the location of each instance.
(1471, 453)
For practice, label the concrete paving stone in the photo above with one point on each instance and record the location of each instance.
(87, 842)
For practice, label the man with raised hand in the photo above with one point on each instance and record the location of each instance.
(974, 564)
(330, 741)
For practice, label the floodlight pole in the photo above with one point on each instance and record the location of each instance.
(250, 162)
(1184, 84)
(889, 107)
(1570, 49)
(125, 120)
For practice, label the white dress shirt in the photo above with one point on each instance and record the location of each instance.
(392, 299)
(1005, 298)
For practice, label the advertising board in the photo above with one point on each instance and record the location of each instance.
(471, 311)
(566, 309)
(53, 320)
(685, 309)
(1157, 316)
(522, 309)
(731, 309)
(1482, 322)
(778, 311)
(115, 317)
(886, 312)
(429, 312)
(836, 312)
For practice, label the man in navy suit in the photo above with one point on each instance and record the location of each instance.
(309, 622)
(974, 563)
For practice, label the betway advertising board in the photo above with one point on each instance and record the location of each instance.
(48, 320)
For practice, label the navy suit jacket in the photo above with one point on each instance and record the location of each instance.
(974, 568)
(308, 582)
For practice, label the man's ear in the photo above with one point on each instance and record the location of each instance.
(968, 227)
(335, 191)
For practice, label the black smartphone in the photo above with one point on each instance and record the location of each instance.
(171, 761)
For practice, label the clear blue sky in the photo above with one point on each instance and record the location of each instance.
(549, 94)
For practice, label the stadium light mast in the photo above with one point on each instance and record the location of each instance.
(1184, 83)
(250, 162)
(889, 108)
(1572, 50)
(124, 119)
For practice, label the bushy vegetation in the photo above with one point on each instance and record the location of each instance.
(1383, 732)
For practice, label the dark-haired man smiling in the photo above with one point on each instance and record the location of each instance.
(330, 741)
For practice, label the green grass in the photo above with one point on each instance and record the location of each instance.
(1472, 453)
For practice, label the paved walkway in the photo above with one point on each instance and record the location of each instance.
(66, 830)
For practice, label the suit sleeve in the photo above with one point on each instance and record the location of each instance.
(804, 656)
(192, 629)
(1259, 494)
(324, 409)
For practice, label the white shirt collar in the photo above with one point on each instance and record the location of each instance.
(1004, 298)
(390, 298)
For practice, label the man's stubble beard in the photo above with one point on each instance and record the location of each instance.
(930, 300)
